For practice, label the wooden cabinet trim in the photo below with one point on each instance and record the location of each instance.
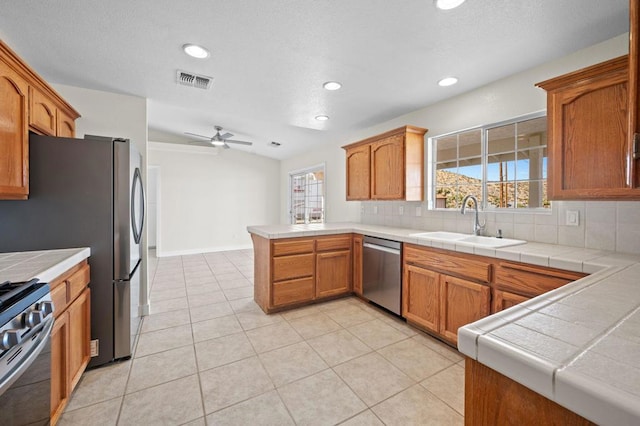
(401, 130)
(15, 62)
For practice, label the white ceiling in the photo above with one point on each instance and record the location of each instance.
(270, 58)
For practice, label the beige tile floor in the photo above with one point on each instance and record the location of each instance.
(207, 355)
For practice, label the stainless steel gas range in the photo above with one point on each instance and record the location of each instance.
(26, 320)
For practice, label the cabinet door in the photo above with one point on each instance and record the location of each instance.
(14, 142)
(588, 121)
(357, 264)
(387, 168)
(421, 297)
(66, 126)
(333, 273)
(462, 302)
(59, 367)
(359, 173)
(504, 299)
(79, 337)
(42, 113)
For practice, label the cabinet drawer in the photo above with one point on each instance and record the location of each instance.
(334, 243)
(530, 280)
(59, 298)
(282, 248)
(295, 266)
(449, 264)
(78, 281)
(293, 291)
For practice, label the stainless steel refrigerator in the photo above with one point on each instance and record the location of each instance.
(87, 193)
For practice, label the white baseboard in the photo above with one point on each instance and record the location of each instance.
(164, 253)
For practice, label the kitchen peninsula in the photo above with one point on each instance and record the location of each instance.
(576, 345)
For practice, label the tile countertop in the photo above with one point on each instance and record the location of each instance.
(578, 345)
(44, 265)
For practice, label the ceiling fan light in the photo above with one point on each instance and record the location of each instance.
(332, 85)
(195, 51)
(322, 117)
(448, 4)
(447, 81)
(217, 143)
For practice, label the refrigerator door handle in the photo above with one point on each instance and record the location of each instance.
(137, 180)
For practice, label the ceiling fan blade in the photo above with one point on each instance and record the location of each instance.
(239, 142)
(225, 146)
(209, 144)
(226, 135)
(197, 135)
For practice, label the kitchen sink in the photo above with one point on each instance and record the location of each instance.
(469, 240)
(440, 236)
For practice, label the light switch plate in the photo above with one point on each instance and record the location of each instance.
(401, 210)
(375, 209)
(573, 218)
(418, 211)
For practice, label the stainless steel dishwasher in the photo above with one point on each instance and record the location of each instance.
(382, 273)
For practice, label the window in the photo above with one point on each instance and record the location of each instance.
(307, 195)
(504, 165)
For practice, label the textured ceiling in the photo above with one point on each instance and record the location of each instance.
(270, 58)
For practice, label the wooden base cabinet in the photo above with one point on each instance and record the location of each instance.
(295, 271)
(71, 334)
(493, 399)
(441, 303)
(444, 290)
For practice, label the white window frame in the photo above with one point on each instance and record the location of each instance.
(292, 175)
(431, 166)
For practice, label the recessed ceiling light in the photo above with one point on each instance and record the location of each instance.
(448, 81)
(332, 85)
(195, 51)
(448, 4)
(322, 117)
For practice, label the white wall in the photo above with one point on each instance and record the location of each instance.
(111, 114)
(603, 225)
(206, 200)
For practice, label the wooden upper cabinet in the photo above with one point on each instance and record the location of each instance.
(14, 136)
(42, 113)
(65, 125)
(588, 131)
(358, 173)
(27, 103)
(389, 166)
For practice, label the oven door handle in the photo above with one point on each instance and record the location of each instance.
(28, 360)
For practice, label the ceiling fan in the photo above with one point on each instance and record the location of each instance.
(217, 139)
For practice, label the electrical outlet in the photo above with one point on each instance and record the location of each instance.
(95, 348)
(418, 211)
(401, 210)
(573, 218)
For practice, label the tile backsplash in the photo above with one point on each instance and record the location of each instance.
(602, 225)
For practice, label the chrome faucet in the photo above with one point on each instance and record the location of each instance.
(478, 228)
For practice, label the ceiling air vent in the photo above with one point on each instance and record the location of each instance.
(194, 80)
